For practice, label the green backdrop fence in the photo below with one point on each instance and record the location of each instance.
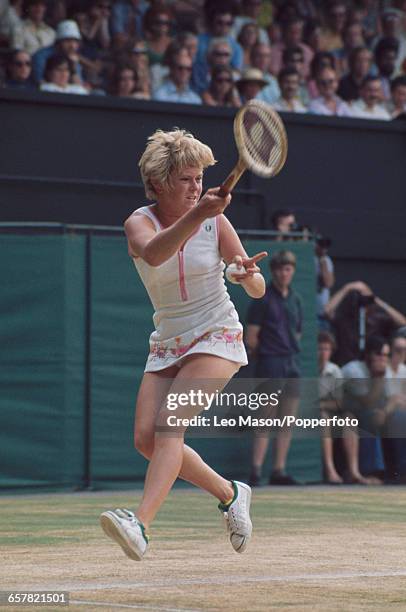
(74, 336)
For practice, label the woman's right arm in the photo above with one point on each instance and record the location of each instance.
(157, 247)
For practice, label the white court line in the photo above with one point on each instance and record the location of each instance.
(78, 602)
(75, 588)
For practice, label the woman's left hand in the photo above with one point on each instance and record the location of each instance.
(249, 264)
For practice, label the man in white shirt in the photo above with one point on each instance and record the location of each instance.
(369, 105)
(289, 101)
(328, 103)
(34, 33)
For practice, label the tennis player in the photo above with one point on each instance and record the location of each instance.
(178, 245)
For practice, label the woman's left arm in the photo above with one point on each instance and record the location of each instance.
(232, 251)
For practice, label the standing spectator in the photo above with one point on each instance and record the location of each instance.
(328, 103)
(292, 38)
(126, 22)
(322, 59)
(220, 20)
(250, 84)
(18, 71)
(157, 30)
(125, 83)
(360, 62)
(369, 105)
(325, 279)
(272, 335)
(221, 91)
(343, 310)
(34, 33)
(336, 18)
(386, 53)
(58, 76)
(248, 37)
(261, 59)
(397, 106)
(250, 10)
(177, 86)
(68, 39)
(289, 85)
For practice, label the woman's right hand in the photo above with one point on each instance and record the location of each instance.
(211, 205)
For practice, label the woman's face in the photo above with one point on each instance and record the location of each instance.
(60, 75)
(223, 82)
(20, 69)
(249, 35)
(161, 24)
(126, 82)
(186, 187)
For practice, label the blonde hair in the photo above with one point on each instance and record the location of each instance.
(167, 152)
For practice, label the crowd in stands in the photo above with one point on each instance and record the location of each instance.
(361, 367)
(335, 57)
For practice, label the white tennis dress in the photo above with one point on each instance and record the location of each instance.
(193, 311)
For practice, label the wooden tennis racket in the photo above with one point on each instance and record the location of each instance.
(261, 141)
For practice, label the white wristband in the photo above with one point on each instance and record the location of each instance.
(233, 269)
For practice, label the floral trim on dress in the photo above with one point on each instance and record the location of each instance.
(160, 351)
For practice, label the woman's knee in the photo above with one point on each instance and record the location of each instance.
(144, 443)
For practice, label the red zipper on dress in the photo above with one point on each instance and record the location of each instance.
(182, 283)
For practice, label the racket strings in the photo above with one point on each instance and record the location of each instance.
(263, 140)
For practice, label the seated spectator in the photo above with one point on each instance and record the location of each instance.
(138, 60)
(386, 53)
(177, 87)
(369, 105)
(18, 71)
(248, 37)
(56, 12)
(312, 35)
(221, 91)
(353, 37)
(335, 19)
(59, 73)
(328, 103)
(391, 27)
(127, 22)
(261, 59)
(369, 18)
(220, 20)
(10, 19)
(360, 63)
(293, 58)
(250, 10)
(397, 105)
(289, 85)
(33, 34)
(322, 59)
(188, 40)
(157, 31)
(125, 83)
(160, 72)
(68, 39)
(94, 27)
(250, 84)
(343, 310)
(292, 32)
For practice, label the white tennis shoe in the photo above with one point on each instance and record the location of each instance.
(123, 526)
(237, 516)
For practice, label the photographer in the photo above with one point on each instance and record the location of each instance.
(325, 279)
(356, 313)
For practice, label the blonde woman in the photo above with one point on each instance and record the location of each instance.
(178, 245)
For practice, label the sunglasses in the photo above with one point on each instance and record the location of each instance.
(21, 63)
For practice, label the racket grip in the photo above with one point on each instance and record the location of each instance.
(228, 185)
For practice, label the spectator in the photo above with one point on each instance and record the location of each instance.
(157, 30)
(386, 53)
(273, 334)
(289, 85)
(125, 83)
(336, 18)
(33, 34)
(221, 91)
(312, 35)
(188, 40)
(10, 20)
(397, 106)
(283, 221)
(68, 39)
(322, 59)
(292, 38)
(261, 59)
(325, 279)
(396, 371)
(328, 103)
(353, 37)
(58, 75)
(360, 62)
(293, 58)
(369, 18)
(94, 27)
(18, 71)
(127, 22)
(248, 37)
(160, 72)
(250, 10)
(250, 84)
(177, 86)
(138, 60)
(343, 310)
(391, 25)
(220, 20)
(369, 104)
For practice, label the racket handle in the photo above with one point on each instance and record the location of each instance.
(228, 185)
